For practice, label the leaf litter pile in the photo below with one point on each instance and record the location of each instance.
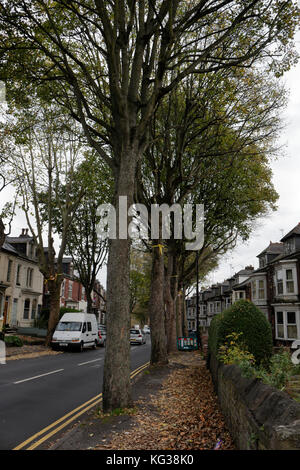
(183, 415)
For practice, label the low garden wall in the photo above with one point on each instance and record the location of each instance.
(259, 417)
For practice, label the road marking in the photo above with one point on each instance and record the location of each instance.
(88, 362)
(38, 376)
(92, 402)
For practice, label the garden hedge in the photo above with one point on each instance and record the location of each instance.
(243, 317)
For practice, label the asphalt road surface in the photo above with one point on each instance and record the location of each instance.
(36, 392)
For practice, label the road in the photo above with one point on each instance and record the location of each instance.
(36, 392)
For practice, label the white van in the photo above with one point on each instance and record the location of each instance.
(79, 330)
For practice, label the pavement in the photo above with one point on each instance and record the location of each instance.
(94, 428)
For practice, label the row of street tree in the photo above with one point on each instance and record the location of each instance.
(161, 101)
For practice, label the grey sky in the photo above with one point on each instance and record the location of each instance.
(286, 179)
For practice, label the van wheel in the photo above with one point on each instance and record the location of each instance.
(95, 345)
(81, 346)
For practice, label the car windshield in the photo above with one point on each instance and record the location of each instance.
(134, 332)
(69, 326)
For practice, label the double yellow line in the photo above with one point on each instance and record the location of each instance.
(62, 422)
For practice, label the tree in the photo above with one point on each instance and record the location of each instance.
(43, 152)
(212, 138)
(83, 244)
(109, 64)
(140, 272)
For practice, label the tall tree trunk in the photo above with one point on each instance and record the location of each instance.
(2, 233)
(116, 379)
(54, 287)
(169, 293)
(156, 308)
(179, 313)
(89, 300)
(184, 317)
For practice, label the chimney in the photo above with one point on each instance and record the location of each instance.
(249, 268)
(26, 232)
(22, 234)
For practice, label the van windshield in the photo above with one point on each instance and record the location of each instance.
(69, 326)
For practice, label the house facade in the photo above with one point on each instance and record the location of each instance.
(21, 283)
(274, 288)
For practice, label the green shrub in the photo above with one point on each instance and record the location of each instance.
(213, 334)
(279, 371)
(243, 317)
(13, 341)
(234, 351)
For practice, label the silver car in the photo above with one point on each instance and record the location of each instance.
(137, 336)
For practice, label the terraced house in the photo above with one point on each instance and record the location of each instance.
(274, 287)
(21, 283)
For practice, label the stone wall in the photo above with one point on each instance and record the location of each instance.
(259, 417)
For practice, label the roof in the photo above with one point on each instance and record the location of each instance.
(273, 248)
(244, 272)
(7, 247)
(24, 239)
(294, 231)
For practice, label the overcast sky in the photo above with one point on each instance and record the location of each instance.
(286, 178)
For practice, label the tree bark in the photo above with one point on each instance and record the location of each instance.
(170, 290)
(2, 233)
(179, 313)
(116, 380)
(89, 300)
(54, 287)
(184, 317)
(156, 308)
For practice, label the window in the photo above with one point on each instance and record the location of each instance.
(70, 290)
(261, 289)
(291, 325)
(29, 277)
(26, 309)
(279, 282)
(33, 310)
(254, 289)
(289, 281)
(8, 278)
(69, 326)
(280, 326)
(287, 325)
(89, 326)
(285, 281)
(18, 280)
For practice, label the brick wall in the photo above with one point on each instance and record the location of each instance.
(258, 416)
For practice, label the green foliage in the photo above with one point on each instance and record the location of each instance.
(42, 321)
(279, 371)
(13, 341)
(213, 334)
(244, 317)
(234, 351)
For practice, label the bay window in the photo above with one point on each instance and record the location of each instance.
(287, 325)
(285, 281)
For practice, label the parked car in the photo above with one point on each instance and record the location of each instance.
(101, 335)
(78, 330)
(146, 330)
(137, 336)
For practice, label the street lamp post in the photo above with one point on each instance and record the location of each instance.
(197, 301)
